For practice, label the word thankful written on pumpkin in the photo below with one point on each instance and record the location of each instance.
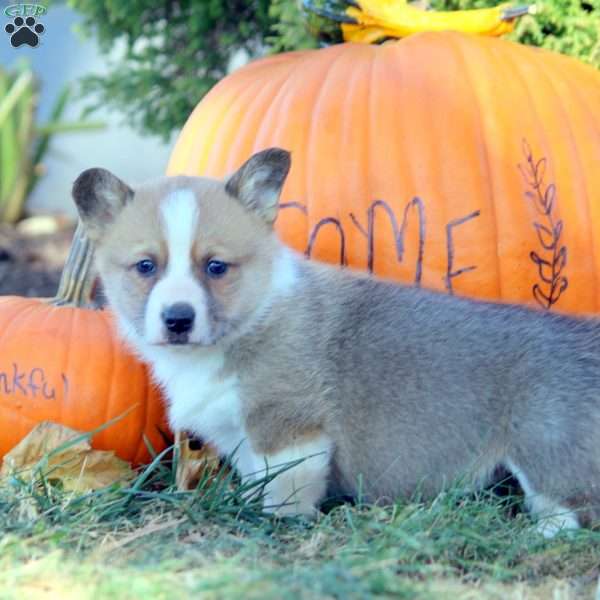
(32, 383)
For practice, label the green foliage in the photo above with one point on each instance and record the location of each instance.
(172, 53)
(568, 26)
(23, 143)
(166, 55)
(17, 97)
(289, 27)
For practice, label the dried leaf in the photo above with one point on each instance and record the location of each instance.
(195, 458)
(64, 457)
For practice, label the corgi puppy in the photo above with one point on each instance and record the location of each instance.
(384, 390)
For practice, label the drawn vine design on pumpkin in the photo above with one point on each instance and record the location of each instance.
(543, 196)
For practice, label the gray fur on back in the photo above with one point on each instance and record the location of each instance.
(418, 388)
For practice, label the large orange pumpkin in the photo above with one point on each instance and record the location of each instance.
(462, 163)
(62, 362)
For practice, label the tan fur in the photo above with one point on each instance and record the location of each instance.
(226, 231)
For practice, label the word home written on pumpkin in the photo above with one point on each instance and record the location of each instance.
(398, 226)
(550, 258)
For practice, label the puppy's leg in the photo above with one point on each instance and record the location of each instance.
(298, 489)
(551, 516)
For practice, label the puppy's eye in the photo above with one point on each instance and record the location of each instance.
(216, 268)
(145, 267)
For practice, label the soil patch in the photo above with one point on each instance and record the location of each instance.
(31, 263)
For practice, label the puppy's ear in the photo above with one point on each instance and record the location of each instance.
(100, 196)
(257, 183)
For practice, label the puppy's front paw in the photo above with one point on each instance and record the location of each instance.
(551, 525)
(289, 507)
(300, 482)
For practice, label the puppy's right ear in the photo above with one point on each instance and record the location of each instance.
(100, 196)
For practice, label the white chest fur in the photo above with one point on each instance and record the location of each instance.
(203, 401)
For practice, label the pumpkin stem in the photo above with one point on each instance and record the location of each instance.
(376, 21)
(77, 285)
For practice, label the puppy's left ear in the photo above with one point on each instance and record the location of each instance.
(100, 196)
(257, 183)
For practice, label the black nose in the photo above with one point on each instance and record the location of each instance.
(179, 317)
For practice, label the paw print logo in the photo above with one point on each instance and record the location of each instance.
(24, 31)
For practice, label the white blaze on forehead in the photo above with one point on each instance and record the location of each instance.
(179, 212)
(179, 218)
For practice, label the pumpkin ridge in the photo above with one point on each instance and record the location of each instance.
(11, 317)
(287, 88)
(313, 134)
(447, 46)
(595, 142)
(46, 316)
(291, 78)
(242, 106)
(236, 119)
(364, 70)
(194, 142)
(408, 168)
(68, 360)
(485, 55)
(370, 112)
(32, 306)
(143, 410)
(13, 302)
(145, 419)
(373, 197)
(270, 128)
(254, 107)
(109, 404)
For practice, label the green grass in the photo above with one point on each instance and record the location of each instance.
(150, 541)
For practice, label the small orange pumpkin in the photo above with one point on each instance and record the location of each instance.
(461, 163)
(62, 362)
